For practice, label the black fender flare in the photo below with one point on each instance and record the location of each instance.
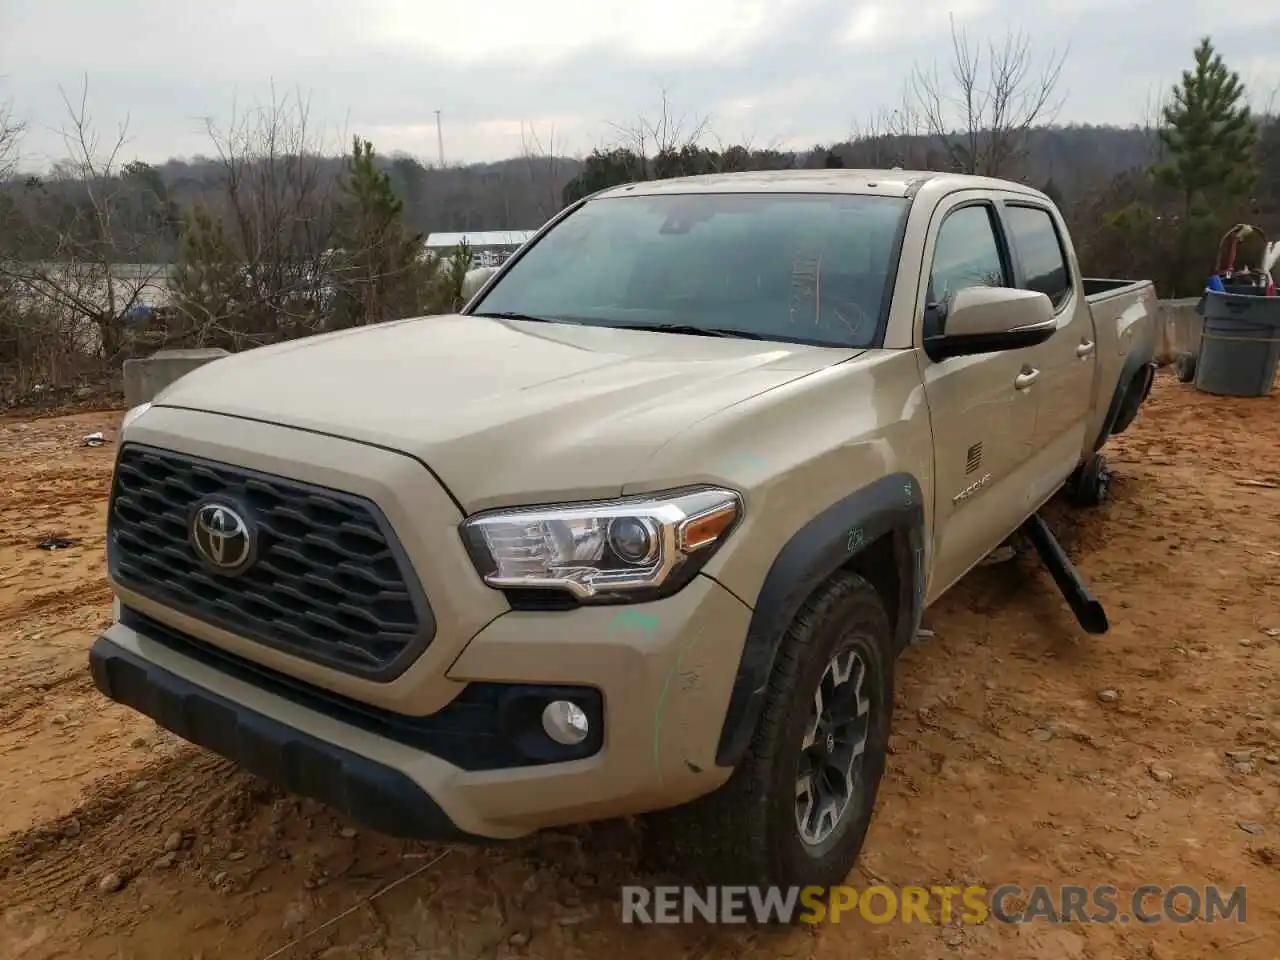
(1137, 374)
(891, 505)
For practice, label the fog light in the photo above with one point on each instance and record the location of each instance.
(565, 722)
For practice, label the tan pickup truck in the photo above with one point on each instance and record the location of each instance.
(642, 530)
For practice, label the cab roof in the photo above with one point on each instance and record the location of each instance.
(886, 183)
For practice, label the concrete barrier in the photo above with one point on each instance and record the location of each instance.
(1178, 329)
(147, 376)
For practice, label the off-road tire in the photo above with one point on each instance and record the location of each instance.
(1090, 485)
(746, 832)
(1186, 367)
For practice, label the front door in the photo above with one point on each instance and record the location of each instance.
(982, 408)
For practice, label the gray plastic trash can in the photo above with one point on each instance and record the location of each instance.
(1240, 349)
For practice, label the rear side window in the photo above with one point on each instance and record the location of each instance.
(1044, 264)
(965, 254)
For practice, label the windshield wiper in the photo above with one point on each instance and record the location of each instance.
(690, 328)
(511, 315)
(651, 327)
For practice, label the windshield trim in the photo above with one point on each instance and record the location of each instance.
(891, 274)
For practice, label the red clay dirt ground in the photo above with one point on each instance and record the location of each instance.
(118, 841)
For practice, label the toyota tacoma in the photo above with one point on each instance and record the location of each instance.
(642, 530)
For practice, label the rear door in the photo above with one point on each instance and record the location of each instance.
(981, 407)
(1067, 361)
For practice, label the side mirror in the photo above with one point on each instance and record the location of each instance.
(988, 319)
(474, 279)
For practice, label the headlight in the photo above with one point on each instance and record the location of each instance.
(626, 549)
(133, 414)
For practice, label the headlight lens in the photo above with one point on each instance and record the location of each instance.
(133, 414)
(604, 550)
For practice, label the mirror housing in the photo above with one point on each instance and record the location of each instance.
(990, 319)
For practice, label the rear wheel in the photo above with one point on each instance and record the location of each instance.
(796, 810)
(1090, 486)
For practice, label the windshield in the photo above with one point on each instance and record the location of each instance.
(807, 268)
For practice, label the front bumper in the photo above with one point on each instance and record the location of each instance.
(664, 672)
(370, 792)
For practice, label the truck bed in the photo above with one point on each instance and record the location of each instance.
(1097, 289)
(1124, 322)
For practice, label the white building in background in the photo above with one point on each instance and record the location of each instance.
(489, 248)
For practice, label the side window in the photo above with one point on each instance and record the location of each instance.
(966, 254)
(1035, 238)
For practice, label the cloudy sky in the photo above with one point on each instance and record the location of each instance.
(784, 72)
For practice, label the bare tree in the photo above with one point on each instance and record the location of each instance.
(731, 157)
(665, 136)
(303, 239)
(1152, 113)
(88, 252)
(11, 132)
(891, 137)
(544, 168)
(257, 261)
(982, 113)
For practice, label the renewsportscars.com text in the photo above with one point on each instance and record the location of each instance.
(1009, 903)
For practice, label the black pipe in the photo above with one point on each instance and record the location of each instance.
(1087, 609)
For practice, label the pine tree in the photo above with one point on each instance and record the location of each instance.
(209, 281)
(1209, 134)
(384, 273)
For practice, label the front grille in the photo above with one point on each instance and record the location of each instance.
(329, 582)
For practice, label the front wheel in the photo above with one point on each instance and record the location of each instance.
(795, 812)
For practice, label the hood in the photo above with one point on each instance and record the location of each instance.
(502, 411)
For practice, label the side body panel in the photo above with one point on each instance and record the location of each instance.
(831, 467)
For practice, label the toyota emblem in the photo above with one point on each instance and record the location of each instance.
(221, 537)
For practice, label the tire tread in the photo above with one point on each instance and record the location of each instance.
(724, 836)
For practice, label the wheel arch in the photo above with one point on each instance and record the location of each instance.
(877, 532)
(1132, 387)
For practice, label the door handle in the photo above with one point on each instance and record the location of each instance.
(1085, 348)
(1026, 378)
